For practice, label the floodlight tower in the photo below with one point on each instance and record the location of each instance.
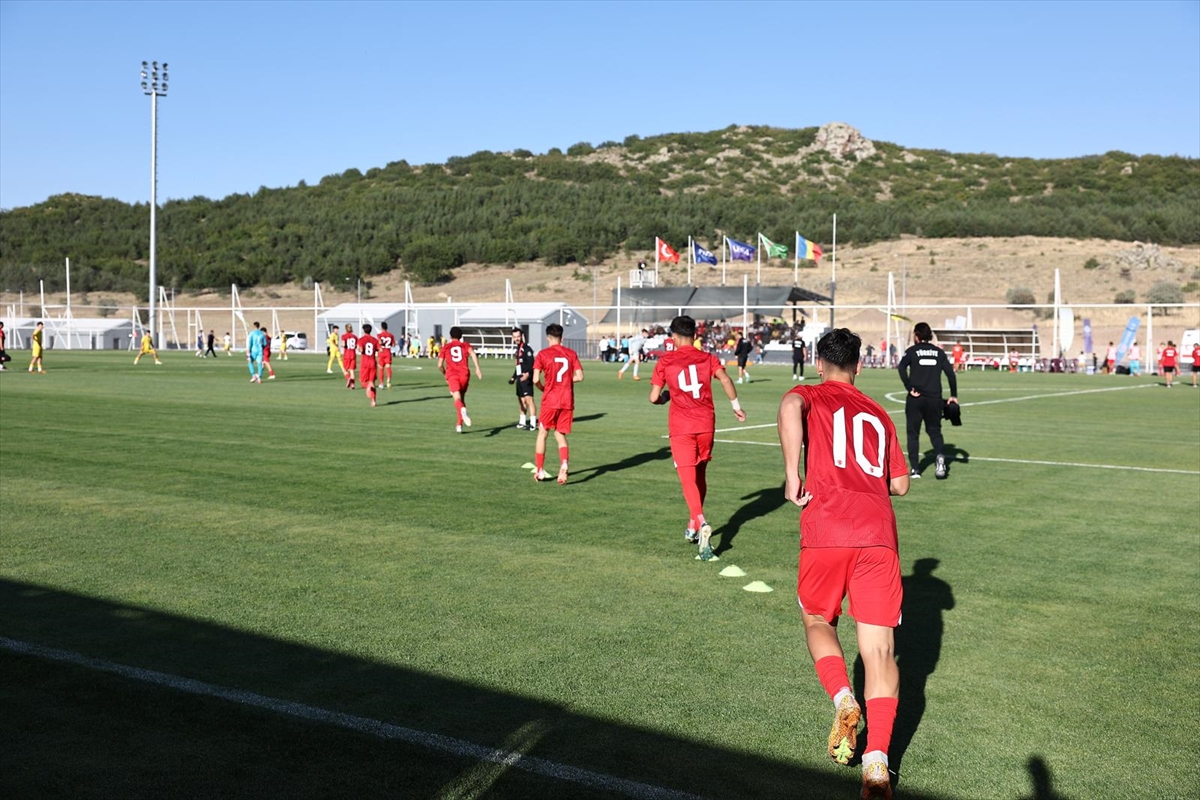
(154, 84)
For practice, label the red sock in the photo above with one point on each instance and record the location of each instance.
(831, 670)
(562, 454)
(539, 460)
(458, 409)
(881, 716)
(691, 493)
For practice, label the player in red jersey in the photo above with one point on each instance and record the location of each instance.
(267, 355)
(848, 545)
(368, 348)
(349, 354)
(1195, 363)
(684, 376)
(452, 361)
(556, 370)
(387, 340)
(1170, 362)
(956, 355)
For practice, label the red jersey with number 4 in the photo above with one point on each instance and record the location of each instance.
(455, 353)
(688, 373)
(558, 365)
(368, 345)
(851, 454)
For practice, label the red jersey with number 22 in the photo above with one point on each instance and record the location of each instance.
(851, 454)
(688, 373)
(455, 353)
(558, 365)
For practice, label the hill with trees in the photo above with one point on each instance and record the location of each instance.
(590, 201)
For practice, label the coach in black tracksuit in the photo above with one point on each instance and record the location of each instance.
(920, 371)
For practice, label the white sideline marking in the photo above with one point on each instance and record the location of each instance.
(1020, 461)
(744, 428)
(383, 730)
(898, 397)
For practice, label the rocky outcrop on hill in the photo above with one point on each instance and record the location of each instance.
(1146, 256)
(843, 141)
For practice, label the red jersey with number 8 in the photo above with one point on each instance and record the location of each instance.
(558, 365)
(688, 374)
(851, 454)
(368, 345)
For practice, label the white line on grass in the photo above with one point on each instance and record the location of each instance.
(1020, 461)
(898, 397)
(383, 730)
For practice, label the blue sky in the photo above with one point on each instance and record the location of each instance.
(268, 94)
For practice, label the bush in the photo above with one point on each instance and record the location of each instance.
(1164, 292)
(1091, 263)
(1020, 296)
(580, 149)
(430, 259)
(1126, 296)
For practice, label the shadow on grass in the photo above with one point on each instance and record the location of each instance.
(918, 650)
(71, 729)
(761, 503)
(412, 400)
(1039, 773)
(635, 460)
(954, 455)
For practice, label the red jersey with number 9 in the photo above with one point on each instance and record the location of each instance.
(455, 353)
(851, 454)
(688, 373)
(558, 365)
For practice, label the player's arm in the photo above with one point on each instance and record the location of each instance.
(902, 368)
(475, 361)
(731, 393)
(577, 375)
(537, 379)
(441, 363)
(791, 440)
(898, 486)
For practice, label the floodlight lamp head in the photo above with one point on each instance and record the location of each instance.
(145, 64)
(164, 66)
(155, 63)
(145, 86)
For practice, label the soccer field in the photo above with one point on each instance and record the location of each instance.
(213, 588)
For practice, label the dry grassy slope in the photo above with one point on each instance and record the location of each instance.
(940, 271)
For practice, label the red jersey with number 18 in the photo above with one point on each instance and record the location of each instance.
(558, 365)
(851, 454)
(688, 373)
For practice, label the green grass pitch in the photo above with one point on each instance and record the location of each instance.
(290, 541)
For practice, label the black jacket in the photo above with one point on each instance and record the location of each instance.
(921, 369)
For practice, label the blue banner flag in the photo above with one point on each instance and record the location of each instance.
(701, 255)
(1127, 337)
(1087, 336)
(740, 251)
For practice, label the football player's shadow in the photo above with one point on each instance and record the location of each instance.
(918, 649)
(635, 460)
(762, 503)
(954, 455)
(1039, 773)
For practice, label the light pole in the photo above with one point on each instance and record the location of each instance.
(154, 84)
(903, 283)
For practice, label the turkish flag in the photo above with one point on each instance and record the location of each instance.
(665, 253)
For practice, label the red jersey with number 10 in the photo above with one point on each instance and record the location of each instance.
(368, 345)
(851, 454)
(688, 373)
(455, 353)
(558, 365)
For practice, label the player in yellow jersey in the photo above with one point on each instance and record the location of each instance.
(331, 347)
(282, 345)
(36, 342)
(147, 347)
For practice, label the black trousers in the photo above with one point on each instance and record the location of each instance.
(927, 409)
(797, 363)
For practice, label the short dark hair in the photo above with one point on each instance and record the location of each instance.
(256, 325)
(333, 328)
(840, 347)
(518, 330)
(684, 326)
(555, 330)
(922, 332)
(456, 332)
(383, 326)
(366, 327)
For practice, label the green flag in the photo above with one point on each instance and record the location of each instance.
(774, 250)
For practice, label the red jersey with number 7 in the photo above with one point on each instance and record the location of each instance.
(455, 354)
(688, 374)
(851, 454)
(558, 365)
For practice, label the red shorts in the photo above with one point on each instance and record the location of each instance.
(385, 358)
(869, 575)
(457, 384)
(558, 419)
(366, 372)
(266, 356)
(690, 449)
(348, 360)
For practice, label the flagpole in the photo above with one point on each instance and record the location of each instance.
(833, 278)
(724, 239)
(758, 280)
(618, 314)
(689, 283)
(657, 247)
(745, 304)
(796, 269)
